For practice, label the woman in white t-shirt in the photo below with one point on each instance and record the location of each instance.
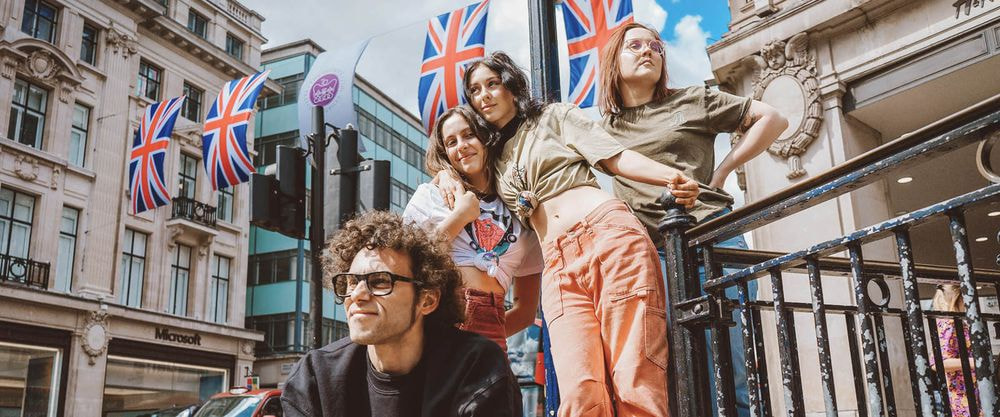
(492, 249)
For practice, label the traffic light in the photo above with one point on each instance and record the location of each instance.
(278, 201)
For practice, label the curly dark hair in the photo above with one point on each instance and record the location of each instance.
(513, 79)
(430, 258)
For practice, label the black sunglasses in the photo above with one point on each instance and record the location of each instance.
(379, 283)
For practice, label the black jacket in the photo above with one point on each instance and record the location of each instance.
(465, 375)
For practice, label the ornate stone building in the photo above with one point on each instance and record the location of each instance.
(103, 312)
(852, 75)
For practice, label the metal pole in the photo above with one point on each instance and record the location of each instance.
(316, 238)
(544, 57)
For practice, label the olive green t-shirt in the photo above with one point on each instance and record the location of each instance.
(551, 155)
(678, 131)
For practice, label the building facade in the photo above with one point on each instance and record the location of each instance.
(851, 76)
(103, 312)
(277, 303)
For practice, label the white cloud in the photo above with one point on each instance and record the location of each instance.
(687, 60)
(650, 13)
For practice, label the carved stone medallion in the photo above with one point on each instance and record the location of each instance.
(94, 337)
(785, 77)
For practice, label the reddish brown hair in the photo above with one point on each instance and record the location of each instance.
(611, 75)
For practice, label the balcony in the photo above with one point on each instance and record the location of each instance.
(24, 271)
(193, 210)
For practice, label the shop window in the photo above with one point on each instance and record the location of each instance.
(136, 386)
(30, 378)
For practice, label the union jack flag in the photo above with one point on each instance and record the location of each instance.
(589, 23)
(453, 40)
(149, 148)
(224, 144)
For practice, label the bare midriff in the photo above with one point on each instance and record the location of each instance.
(558, 214)
(478, 279)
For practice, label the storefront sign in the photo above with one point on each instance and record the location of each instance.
(163, 333)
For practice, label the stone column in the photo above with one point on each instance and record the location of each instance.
(111, 128)
(87, 365)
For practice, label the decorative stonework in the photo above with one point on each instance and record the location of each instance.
(983, 164)
(247, 347)
(785, 77)
(54, 183)
(173, 232)
(94, 337)
(26, 167)
(8, 68)
(122, 43)
(205, 244)
(41, 65)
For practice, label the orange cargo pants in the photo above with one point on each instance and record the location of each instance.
(603, 299)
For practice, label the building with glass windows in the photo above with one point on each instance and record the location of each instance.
(277, 304)
(103, 312)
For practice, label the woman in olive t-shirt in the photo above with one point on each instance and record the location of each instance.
(678, 127)
(602, 286)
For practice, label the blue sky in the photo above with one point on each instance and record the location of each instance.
(714, 13)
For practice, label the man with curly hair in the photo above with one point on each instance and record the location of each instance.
(404, 356)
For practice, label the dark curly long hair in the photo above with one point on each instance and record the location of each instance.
(513, 79)
(430, 258)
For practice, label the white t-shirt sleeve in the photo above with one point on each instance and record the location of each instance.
(532, 262)
(426, 208)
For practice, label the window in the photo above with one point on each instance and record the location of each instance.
(219, 290)
(279, 333)
(399, 194)
(197, 24)
(180, 272)
(267, 146)
(225, 210)
(67, 249)
(187, 177)
(149, 81)
(274, 267)
(78, 135)
(290, 87)
(88, 45)
(130, 383)
(192, 102)
(17, 212)
(31, 378)
(234, 46)
(133, 268)
(39, 20)
(27, 113)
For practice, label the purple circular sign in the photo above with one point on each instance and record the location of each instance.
(324, 90)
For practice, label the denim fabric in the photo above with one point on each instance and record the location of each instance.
(735, 333)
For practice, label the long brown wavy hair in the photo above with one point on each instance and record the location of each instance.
(430, 258)
(437, 154)
(611, 95)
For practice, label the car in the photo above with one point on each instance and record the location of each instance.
(186, 411)
(241, 402)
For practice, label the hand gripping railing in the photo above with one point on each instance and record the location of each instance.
(693, 308)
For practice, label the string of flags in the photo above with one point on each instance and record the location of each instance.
(224, 146)
(458, 38)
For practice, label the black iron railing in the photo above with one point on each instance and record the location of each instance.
(190, 209)
(695, 307)
(24, 271)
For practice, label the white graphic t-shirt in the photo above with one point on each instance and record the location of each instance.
(496, 243)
